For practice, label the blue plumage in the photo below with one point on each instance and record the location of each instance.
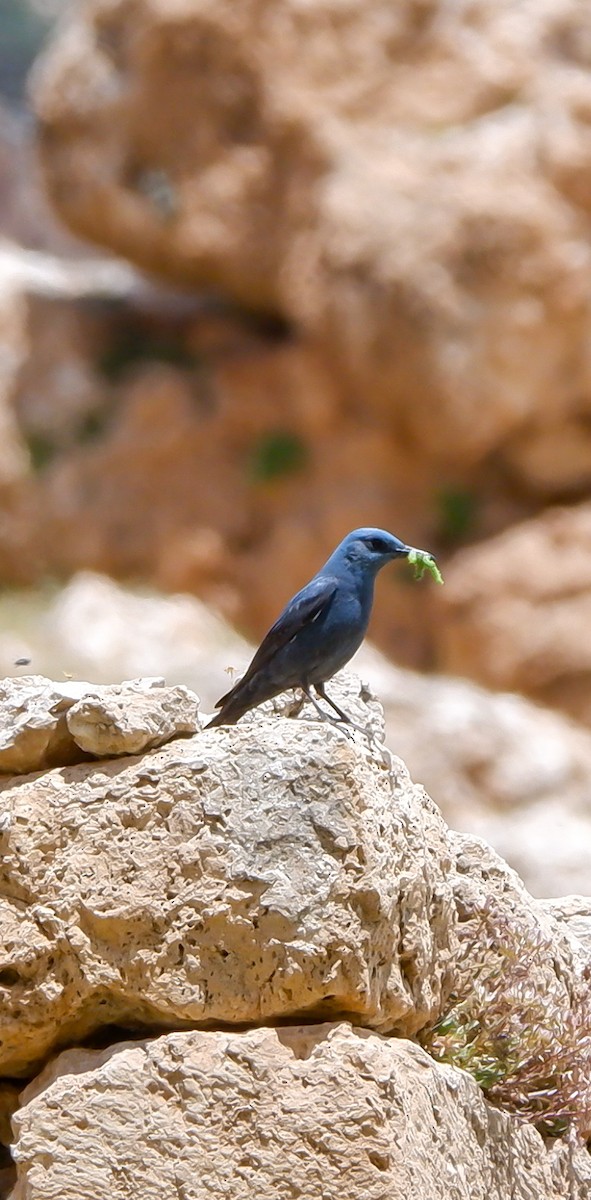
(319, 630)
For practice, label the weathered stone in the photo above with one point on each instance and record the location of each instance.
(181, 471)
(106, 632)
(498, 766)
(27, 217)
(517, 611)
(129, 719)
(575, 912)
(9, 1102)
(33, 729)
(47, 724)
(424, 174)
(322, 1110)
(243, 875)
(500, 919)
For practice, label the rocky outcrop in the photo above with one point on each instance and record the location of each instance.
(316, 1110)
(500, 766)
(27, 216)
(44, 724)
(222, 879)
(408, 186)
(163, 436)
(273, 872)
(419, 236)
(517, 611)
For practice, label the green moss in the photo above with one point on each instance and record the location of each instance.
(276, 454)
(457, 510)
(42, 451)
(133, 346)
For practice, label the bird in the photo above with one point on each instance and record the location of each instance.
(319, 630)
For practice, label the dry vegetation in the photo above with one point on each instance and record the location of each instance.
(511, 1038)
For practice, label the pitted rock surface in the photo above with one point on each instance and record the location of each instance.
(243, 875)
(322, 1110)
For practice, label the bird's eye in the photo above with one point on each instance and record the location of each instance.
(377, 544)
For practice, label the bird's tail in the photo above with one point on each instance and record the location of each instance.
(236, 702)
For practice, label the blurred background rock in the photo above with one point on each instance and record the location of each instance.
(352, 286)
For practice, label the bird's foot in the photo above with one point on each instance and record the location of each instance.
(335, 722)
(340, 719)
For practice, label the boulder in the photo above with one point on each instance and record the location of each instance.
(151, 434)
(277, 872)
(34, 733)
(48, 724)
(129, 720)
(243, 875)
(575, 911)
(517, 610)
(409, 187)
(323, 1110)
(498, 765)
(271, 871)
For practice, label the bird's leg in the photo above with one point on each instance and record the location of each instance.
(367, 732)
(321, 713)
(323, 696)
(342, 718)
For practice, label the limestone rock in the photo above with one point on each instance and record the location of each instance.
(27, 216)
(47, 724)
(498, 766)
(409, 186)
(129, 719)
(9, 1102)
(499, 919)
(33, 731)
(164, 436)
(322, 1110)
(96, 628)
(575, 911)
(244, 875)
(517, 611)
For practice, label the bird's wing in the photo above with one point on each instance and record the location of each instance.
(305, 607)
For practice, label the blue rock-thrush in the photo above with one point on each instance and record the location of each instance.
(319, 630)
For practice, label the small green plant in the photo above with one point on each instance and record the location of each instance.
(277, 453)
(42, 451)
(456, 514)
(527, 1055)
(133, 346)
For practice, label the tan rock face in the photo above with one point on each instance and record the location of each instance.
(261, 874)
(409, 186)
(498, 765)
(34, 730)
(575, 912)
(485, 885)
(154, 435)
(517, 611)
(323, 1110)
(124, 720)
(46, 724)
(26, 215)
(245, 875)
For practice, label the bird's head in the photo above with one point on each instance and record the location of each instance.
(372, 548)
